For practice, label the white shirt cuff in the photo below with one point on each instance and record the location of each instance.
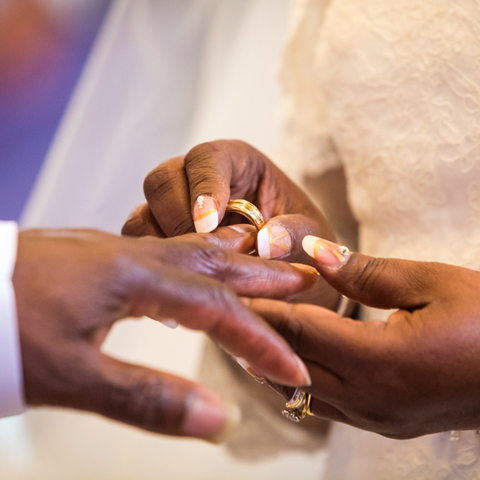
(11, 378)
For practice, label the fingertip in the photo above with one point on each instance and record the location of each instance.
(305, 377)
(208, 418)
(205, 214)
(170, 323)
(273, 242)
(301, 378)
(263, 243)
(328, 254)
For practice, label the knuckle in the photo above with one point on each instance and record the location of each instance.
(200, 164)
(159, 182)
(370, 274)
(199, 153)
(213, 261)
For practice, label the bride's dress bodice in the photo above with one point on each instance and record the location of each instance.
(401, 82)
(392, 93)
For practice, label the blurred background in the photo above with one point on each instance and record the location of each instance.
(93, 95)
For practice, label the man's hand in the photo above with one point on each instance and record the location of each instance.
(72, 285)
(416, 374)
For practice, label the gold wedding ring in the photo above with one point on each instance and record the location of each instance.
(248, 210)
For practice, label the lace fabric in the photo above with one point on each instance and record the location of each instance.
(391, 92)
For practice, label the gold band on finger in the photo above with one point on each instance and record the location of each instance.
(248, 210)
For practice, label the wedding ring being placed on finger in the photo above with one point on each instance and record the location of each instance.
(298, 406)
(248, 210)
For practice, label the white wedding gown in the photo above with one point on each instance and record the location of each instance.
(390, 91)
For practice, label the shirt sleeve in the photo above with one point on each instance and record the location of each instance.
(307, 148)
(11, 378)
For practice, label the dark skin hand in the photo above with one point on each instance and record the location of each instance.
(416, 374)
(190, 193)
(71, 286)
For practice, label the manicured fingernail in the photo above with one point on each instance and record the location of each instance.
(305, 268)
(273, 242)
(205, 214)
(252, 371)
(211, 420)
(244, 228)
(170, 323)
(303, 376)
(327, 253)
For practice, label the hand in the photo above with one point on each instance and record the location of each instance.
(72, 285)
(414, 375)
(191, 192)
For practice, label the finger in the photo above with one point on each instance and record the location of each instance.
(326, 385)
(216, 172)
(202, 303)
(282, 236)
(236, 238)
(318, 335)
(167, 192)
(376, 282)
(324, 410)
(158, 402)
(246, 275)
(142, 223)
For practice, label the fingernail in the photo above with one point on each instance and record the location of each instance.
(205, 214)
(211, 419)
(327, 253)
(304, 371)
(243, 228)
(170, 323)
(252, 371)
(273, 242)
(303, 376)
(305, 268)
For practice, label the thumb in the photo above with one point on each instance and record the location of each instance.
(376, 282)
(281, 237)
(158, 402)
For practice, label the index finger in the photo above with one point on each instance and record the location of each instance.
(202, 303)
(216, 172)
(246, 275)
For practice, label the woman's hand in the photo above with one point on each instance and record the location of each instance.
(416, 374)
(72, 285)
(190, 193)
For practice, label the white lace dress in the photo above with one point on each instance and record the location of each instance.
(390, 90)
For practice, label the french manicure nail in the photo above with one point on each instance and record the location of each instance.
(273, 242)
(205, 214)
(327, 253)
(211, 420)
(252, 371)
